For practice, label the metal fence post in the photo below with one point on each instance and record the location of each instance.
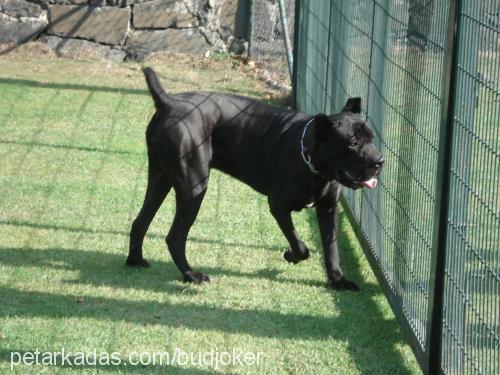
(286, 36)
(329, 70)
(242, 20)
(420, 18)
(296, 44)
(375, 106)
(434, 331)
(455, 315)
(340, 39)
(250, 27)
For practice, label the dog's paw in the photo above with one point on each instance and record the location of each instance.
(344, 284)
(196, 277)
(137, 262)
(291, 257)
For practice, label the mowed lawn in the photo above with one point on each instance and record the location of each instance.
(72, 178)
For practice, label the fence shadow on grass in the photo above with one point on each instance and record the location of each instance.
(153, 235)
(72, 86)
(105, 269)
(194, 316)
(386, 332)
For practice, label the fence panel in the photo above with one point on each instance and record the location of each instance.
(349, 62)
(393, 53)
(314, 26)
(471, 341)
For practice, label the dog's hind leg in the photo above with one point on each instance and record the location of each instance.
(185, 215)
(157, 190)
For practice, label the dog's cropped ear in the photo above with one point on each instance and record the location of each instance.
(353, 105)
(323, 127)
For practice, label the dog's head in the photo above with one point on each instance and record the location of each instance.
(344, 150)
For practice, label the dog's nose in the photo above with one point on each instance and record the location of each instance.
(378, 163)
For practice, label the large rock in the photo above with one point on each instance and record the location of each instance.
(228, 15)
(160, 14)
(209, 16)
(83, 49)
(20, 8)
(190, 41)
(13, 30)
(106, 25)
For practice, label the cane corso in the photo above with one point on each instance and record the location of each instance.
(295, 159)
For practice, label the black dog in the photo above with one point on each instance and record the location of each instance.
(295, 159)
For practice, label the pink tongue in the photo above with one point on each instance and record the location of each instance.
(370, 184)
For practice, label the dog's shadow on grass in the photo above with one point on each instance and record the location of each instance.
(105, 269)
(95, 268)
(370, 334)
(101, 269)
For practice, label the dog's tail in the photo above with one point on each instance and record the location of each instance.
(159, 95)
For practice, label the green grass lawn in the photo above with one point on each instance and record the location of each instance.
(72, 178)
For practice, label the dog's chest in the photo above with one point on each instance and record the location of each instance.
(311, 194)
(304, 202)
(310, 201)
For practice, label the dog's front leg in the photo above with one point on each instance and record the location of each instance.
(298, 251)
(328, 225)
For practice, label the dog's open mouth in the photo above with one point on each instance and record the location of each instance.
(371, 183)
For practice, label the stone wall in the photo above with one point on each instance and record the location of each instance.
(120, 29)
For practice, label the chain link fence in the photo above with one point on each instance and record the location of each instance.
(268, 38)
(429, 75)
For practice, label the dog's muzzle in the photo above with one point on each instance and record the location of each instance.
(370, 182)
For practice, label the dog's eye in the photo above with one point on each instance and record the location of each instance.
(354, 143)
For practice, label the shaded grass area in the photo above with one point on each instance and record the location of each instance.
(72, 179)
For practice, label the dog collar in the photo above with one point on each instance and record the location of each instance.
(305, 155)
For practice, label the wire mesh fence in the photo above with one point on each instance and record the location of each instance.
(398, 56)
(268, 38)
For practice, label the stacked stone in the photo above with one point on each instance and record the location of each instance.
(119, 29)
(21, 21)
